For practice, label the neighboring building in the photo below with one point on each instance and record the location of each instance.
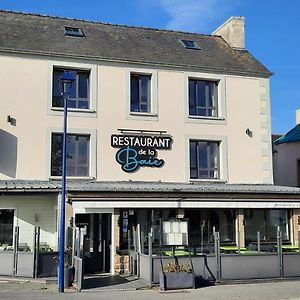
(286, 156)
(162, 124)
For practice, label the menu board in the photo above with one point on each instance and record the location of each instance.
(175, 232)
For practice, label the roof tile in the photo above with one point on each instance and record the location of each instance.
(29, 33)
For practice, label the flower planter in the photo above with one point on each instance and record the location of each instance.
(176, 280)
(68, 276)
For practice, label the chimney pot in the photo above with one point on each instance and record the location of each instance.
(297, 116)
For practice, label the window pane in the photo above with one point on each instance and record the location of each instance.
(204, 159)
(82, 171)
(79, 89)
(193, 154)
(203, 156)
(144, 108)
(213, 174)
(194, 173)
(203, 97)
(57, 100)
(254, 222)
(71, 151)
(192, 97)
(72, 103)
(6, 228)
(140, 98)
(211, 94)
(77, 155)
(266, 221)
(226, 225)
(203, 174)
(56, 154)
(213, 148)
(73, 90)
(134, 94)
(201, 94)
(83, 85)
(83, 149)
(144, 88)
(275, 218)
(83, 104)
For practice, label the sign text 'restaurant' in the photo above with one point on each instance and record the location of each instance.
(143, 141)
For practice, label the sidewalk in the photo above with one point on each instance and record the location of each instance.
(12, 290)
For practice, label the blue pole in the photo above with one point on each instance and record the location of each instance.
(63, 203)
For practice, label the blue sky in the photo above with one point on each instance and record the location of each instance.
(272, 32)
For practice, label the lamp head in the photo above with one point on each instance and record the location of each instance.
(66, 82)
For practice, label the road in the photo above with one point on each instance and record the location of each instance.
(266, 291)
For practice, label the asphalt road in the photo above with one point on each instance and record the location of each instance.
(269, 291)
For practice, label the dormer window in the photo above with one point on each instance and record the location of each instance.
(190, 44)
(73, 31)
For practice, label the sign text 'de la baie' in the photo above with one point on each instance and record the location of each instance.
(137, 151)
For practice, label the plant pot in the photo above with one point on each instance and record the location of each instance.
(68, 276)
(176, 280)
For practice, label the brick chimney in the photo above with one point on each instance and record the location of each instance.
(233, 32)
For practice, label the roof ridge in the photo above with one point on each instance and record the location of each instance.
(107, 23)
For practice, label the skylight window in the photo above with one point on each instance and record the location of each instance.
(73, 31)
(190, 44)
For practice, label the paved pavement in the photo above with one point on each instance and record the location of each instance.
(267, 291)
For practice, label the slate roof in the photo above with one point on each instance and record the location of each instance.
(130, 186)
(292, 136)
(39, 34)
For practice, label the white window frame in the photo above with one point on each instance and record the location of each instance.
(58, 111)
(15, 219)
(223, 157)
(221, 105)
(143, 116)
(92, 151)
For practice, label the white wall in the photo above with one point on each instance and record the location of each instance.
(246, 159)
(31, 211)
(285, 161)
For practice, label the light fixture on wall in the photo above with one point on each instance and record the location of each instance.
(36, 218)
(249, 132)
(11, 120)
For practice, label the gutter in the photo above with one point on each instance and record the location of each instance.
(151, 63)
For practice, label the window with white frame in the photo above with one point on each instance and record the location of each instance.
(204, 159)
(203, 97)
(140, 93)
(6, 228)
(78, 155)
(80, 91)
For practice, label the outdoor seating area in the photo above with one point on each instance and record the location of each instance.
(224, 262)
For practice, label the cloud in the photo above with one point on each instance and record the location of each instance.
(195, 15)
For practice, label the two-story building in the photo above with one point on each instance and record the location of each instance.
(286, 156)
(161, 124)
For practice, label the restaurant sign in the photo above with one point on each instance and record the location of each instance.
(137, 151)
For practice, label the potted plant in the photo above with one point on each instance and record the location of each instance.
(68, 268)
(175, 276)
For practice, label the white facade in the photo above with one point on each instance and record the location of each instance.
(243, 104)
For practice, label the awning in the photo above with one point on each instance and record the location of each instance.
(291, 136)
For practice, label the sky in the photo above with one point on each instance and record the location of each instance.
(272, 32)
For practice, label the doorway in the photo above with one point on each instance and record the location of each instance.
(97, 242)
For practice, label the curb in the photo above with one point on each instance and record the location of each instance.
(30, 280)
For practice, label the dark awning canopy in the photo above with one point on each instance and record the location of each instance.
(291, 136)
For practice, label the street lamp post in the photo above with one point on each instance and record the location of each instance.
(66, 81)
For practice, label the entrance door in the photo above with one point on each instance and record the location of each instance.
(97, 243)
